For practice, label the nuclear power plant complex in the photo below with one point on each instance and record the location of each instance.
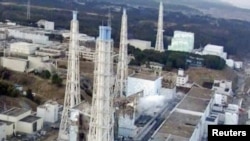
(128, 103)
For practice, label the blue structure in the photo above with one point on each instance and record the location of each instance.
(104, 32)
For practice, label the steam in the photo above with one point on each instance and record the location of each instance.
(150, 105)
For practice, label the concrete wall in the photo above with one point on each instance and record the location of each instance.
(2, 131)
(48, 112)
(150, 87)
(9, 129)
(141, 44)
(27, 127)
(34, 37)
(126, 126)
(14, 64)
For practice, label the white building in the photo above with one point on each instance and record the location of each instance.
(216, 50)
(20, 120)
(223, 87)
(23, 48)
(51, 52)
(48, 25)
(27, 33)
(149, 84)
(2, 131)
(140, 44)
(232, 115)
(30, 124)
(48, 111)
(15, 64)
(238, 64)
(187, 121)
(230, 63)
(182, 41)
(181, 78)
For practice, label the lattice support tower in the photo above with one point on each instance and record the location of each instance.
(102, 111)
(72, 91)
(159, 45)
(122, 66)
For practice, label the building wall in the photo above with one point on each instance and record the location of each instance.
(141, 44)
(27, 127)
(9, 129)
(48, 112)
(2, 131)
(181, 80)
(182, 41)
(14, 119)
(34, 37)
(231, 118)
(126, 126)
(169, 93)
(14, 64)
(150, 87)
(23, 48)
(49, 25)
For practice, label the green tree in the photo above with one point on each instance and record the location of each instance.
(45, 74)
(56, 80)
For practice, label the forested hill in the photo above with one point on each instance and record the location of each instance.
(233, 34)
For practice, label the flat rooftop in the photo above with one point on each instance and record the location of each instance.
(180, 124)
(15, 111)
(30, 119)
(196, 100)
(145, 76)
(6, 122)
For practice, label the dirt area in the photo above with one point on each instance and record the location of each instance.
(200, 75)
(8, 102)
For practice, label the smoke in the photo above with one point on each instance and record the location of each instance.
(150, 105)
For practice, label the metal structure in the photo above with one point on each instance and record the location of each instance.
(122, 66)
(159, 46)
(102, 111)
(28, 9)
(72, 92)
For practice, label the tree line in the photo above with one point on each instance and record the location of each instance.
(174, 60)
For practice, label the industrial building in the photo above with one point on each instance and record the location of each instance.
(47, 25)
(223, 87)
(182, 79)
(182, 41)
(216, 50)
(23, 48)
(2, 131)
(148, 83)
(51, 52)
(20, 120)
(48, 111)
(187, 120)
(140, 44)
(27, 65)
(15, 64)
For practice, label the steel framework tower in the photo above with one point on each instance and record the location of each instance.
(28, 9)
(72, 92)
(159, 38)
(102, 111)
(122, 67)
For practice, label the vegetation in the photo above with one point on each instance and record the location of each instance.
(172, 59)
(56, 80)
(8, 89)
(45, 74)
(232, 34)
